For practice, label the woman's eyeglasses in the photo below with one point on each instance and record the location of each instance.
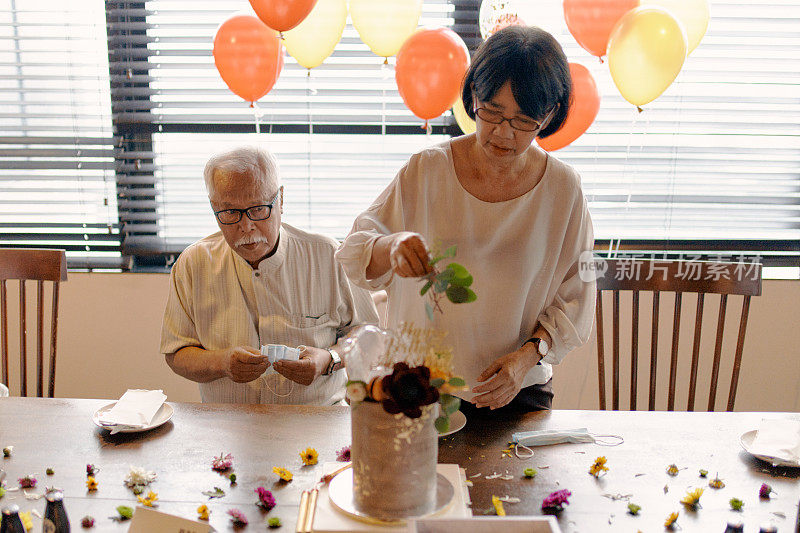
(521, 124)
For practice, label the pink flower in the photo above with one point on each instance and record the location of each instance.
(237, 517)
(765, 491)
(91, 469)
(222, 463)
(343, 455)
(556, 501)
(265, 499)
(27, 482)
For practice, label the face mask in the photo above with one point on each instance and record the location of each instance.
(546, 437)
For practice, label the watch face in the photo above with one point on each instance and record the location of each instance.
(543, 347)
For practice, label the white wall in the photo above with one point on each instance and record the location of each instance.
(110, 324)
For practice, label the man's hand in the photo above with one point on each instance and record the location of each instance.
(507, 374)
(243, 363)
(408, 255)
(312, 363)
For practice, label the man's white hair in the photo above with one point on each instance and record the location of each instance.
(257, 163)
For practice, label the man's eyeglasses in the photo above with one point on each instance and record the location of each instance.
(256, 212)
(521, 124)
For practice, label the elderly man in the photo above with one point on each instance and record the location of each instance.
(258, 282)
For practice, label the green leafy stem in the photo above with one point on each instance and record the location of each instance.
(452, 282)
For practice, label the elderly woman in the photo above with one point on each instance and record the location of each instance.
(517, 216)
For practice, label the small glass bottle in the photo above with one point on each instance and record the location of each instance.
(769, 528)
(55, 516)
(734, 527)
(12, 523)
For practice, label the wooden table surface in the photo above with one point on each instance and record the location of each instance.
(59, 433)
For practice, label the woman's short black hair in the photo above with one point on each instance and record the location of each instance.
(533, 61)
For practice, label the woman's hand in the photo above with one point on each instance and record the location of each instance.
(507, 374)
(408, 255)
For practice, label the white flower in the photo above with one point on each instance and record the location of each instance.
(356, 391)
(139, 476)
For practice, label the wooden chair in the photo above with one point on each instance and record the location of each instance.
(678, 277)
(42, 266)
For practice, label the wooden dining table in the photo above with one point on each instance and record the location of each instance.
(60, 434)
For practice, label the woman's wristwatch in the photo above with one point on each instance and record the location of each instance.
(335, 364)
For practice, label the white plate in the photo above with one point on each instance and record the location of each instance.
(457, 422)
(163, 414)
(747, 439)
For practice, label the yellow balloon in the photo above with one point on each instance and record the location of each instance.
(692, 13)
(314, 39)
(646, 51)
(384, 25)
(466, 124)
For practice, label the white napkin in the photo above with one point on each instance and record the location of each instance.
(779, 439)
(136, 408)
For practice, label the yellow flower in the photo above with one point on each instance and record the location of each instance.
(91, 484)
(598, 467)
(671, 519)
(284, 474)
(692, 498)
(148, 501)
(27, 521)
(498, 506)
(716, 483)
(309, 456)
(672, 470)
(203, 512)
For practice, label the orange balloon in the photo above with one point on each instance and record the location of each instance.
(591, 21)
(282, 15)
(582, 110)
(248, 56)
(431, 65)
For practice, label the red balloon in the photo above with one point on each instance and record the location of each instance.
(591, 21)
(282, 15)
(582, 111)
(248, 56)
(431, 65)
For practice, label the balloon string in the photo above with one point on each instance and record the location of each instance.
(256, 116)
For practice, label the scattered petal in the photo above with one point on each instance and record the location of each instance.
(149, 499)
(343, 455)
(27, 521)
(232, 478)
(556, 501)
(49, 471)
(125, 513)
(703, 473)
(716, 483)
(764, 491)
(672, 470)
(27, 482)
(509, 499)
(599, 467)
(91, 484)
(476, 475)
(91, 469)
(216, 493)
(498, 506)
(7, 451)
(618, 496)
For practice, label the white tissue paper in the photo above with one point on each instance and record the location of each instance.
(779, 439)
(136, 408)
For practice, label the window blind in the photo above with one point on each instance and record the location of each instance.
(57, 186)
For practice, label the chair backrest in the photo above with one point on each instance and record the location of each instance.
(677, 277)
(40, 265)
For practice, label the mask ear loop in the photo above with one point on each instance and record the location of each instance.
(517, 447)
(608, 440)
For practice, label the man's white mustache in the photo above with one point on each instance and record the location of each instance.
(250, 239)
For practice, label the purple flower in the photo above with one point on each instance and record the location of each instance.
(237, 517)
(343, 455)
(87, 521)
(91, 469)
(407, 389)
(222, 463)
(764, 491)
(556, 501)
(265, 499)
(27, 482)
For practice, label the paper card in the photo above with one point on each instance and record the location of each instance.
(486, 524)
(146, 520)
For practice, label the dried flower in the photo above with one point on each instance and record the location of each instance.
(222, 463)
(237, 517)
(149, 499)
(356, 391)
(138, 478)
(265, 499)
(216, 493)
(672, 470)
(27, 482)
(49, 471)
(716, 483)
(736, 504)
(87, 521)
(529, 472)
(764, 491)
(692, 499)
(556, 501)
(598, 467)
(274, 522)
(203, 512)
(27, 521)
(634, 509)
(309, 456)
(343, 455)
(7, 451)
(91, 484)
(498, 506)
(703, 473)
(125, 513)
(284, 474)
(407, 389)
(671, 519)
(91, 470)
(232, 478)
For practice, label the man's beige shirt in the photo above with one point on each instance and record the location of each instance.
(299, 295)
